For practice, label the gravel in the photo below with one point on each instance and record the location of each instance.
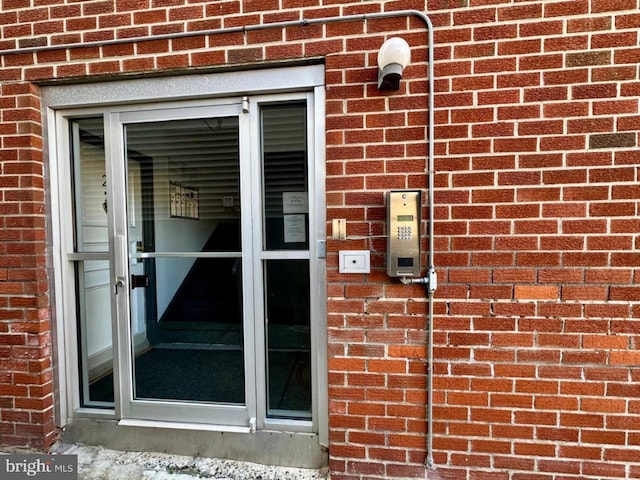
(97, 463)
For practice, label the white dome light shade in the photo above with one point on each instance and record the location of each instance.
(393, 56)
(394, 50)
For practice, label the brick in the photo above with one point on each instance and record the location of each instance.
(519, 12)
(613, 73)
(615, 243)
(571, 292)
(627, 21)
(495, 65)
(628, 123)
(567, 8)
(512, 211)
(498, 97)
(585, 326)
(589, 193)
(624, 293)
(612, 209)
(557, 434)
(32, 42)
(477, 50)
(584, 125)
(613, 40)
(541, 127)
(602, 437)
(541, 28)
(519, 47)
(599, 6)
(515, 145)
(624, 225)
(519, 112)
(565, 43)
(584, 358)
(582, 59)
(584, 226)
(628, 390)
(535, 292)
(472, 83)
(616, 455)
(592, 24)
(512, 339)
(542, 62)
(513, 275)
(603, 90)
(474, 16)
(625, 56)
(541, 94)
(612, 140)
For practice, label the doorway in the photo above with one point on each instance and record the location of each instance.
(194, 259)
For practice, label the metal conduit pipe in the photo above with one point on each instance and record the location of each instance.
(430, 281)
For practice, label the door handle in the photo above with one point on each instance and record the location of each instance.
(117, 285)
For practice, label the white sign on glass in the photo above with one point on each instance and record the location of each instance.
(294, 202)
(294, 228)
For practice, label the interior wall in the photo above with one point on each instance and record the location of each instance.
(174, 235)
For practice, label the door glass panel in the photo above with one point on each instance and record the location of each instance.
(286, 205)
(183, 201)
(92, 278)
(288, 338)
(286, 227)
(90, 186)
(93, 293)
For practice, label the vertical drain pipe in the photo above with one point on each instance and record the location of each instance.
(430, 281)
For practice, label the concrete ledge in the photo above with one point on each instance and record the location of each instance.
(301, 450)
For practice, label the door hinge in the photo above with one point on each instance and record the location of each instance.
(245, 104)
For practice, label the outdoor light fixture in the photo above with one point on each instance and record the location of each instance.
(393, 56)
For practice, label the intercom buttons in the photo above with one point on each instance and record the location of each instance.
(404, 233)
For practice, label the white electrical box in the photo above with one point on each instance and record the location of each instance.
(354, 261)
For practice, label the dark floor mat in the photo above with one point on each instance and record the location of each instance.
(213, 376)
(183, 374)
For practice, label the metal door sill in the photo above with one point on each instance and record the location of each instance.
(131, 422)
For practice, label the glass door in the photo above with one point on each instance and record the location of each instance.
(193, 259)
(188, 345)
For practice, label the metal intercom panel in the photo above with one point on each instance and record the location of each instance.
(403, 239)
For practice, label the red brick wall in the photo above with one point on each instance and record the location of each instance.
(537, 341)
(26, 382)
(536, 329)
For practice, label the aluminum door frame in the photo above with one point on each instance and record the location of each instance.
(60, 102)
(177, 411)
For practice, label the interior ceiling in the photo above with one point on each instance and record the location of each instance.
(204, 153)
